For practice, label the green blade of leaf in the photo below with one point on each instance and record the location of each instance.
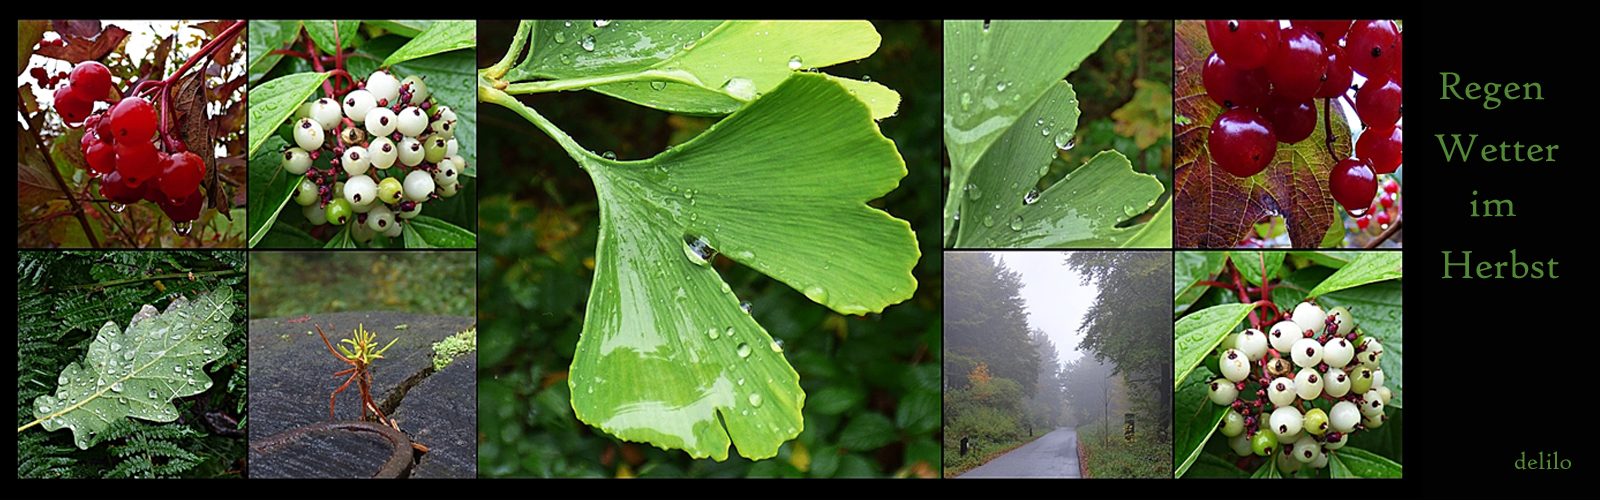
(442, 36)
(1191, 268)
(666, 355)
(407, 28)
(275, 101)
(427, 232)
(269, 190)
(324, 34)
(1196, 418)
(1370, 267)
(1252, 264)
(1004, 122)
(1356, 462)
(1199, 333)
(697, 67)
(138, 372)
(270, 35)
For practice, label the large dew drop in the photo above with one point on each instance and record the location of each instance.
(588, 43)
(755, 400)
(1032, 196)
(744, 350)
(698, 249)
(795, 63)
(740, 88)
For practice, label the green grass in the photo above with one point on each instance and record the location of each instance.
(1146, 457)
(287, 284)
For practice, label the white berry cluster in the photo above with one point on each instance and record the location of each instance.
(1316, 380)
(393, 149)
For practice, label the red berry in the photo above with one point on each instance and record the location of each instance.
(1329, 31)
(181, 174)
(1378, 103)
(1371, 46)
(1390, 186)
(101, 156)
(1386, 200)
(1383, 218)
(1381, 147)
(1353, 184)
(1362, 222)
(1398, 62)
(116, 189)
(133, 118)
(39, 74)
(137, 161)
(1234, 88)
(1242, 142)
(1296, 69)
(72, 108)
(1337, 76)
(1292, 121)
(185, 209)
(92, 81)
(1246, 45)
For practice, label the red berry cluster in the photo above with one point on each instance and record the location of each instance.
(1267, 75)
(1383, 208)
(119, 144)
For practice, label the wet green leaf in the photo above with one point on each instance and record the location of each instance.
(138, 372)
(695, 67)
(440, 37)
(667, 356)
(1007, 114)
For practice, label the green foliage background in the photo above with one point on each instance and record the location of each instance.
(872, 383)
(59, 318)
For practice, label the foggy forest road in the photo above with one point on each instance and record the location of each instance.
(1053, 455)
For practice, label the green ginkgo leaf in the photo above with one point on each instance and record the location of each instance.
(1007, 114)
(694, 67)
(138, 372)
(667, 356)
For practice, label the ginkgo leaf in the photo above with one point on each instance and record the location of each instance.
(695, 67)
(666, 355)
(138, 372)
(1007, 114)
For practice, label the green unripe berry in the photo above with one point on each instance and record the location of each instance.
(306, 192)
(1232, 423)
(434, 148)
(389, 190)
(1263, 443)
(1240, 445)
(339, 211)
(1316, 422)
(1361, 382)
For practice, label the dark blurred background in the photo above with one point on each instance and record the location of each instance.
(872, 383)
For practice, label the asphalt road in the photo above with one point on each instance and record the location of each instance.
(1053, 455)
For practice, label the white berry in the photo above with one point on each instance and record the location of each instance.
(1338, 352)
(355, 160)
(1235, 365)
(419, 90)
(1253, 342)
(1342, 319)
(1283, 335)
(384, 86)
(1308, 384)
(1286, 421)
(380, 218)
(418, 184)
(326, 112)
(308, 134)
(1336, 383)
(296, 161)
(1306, 449)
(410, 152)
(1223, 392)
(1281, 391)
(358, 103)
(380, 122)
(412, 121)
(1373, 405)
(383, 152)
(1344, 416)
(1309, 317)
(360, 191)
(1306, 352)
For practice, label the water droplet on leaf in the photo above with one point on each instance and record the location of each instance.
(588, 43)
(744, 350)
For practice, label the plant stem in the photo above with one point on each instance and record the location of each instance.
(487, 93)
(518, 41)
(61, 183)
(105, 284)
(670, 75)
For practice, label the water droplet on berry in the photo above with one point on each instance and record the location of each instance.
(118, 208)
